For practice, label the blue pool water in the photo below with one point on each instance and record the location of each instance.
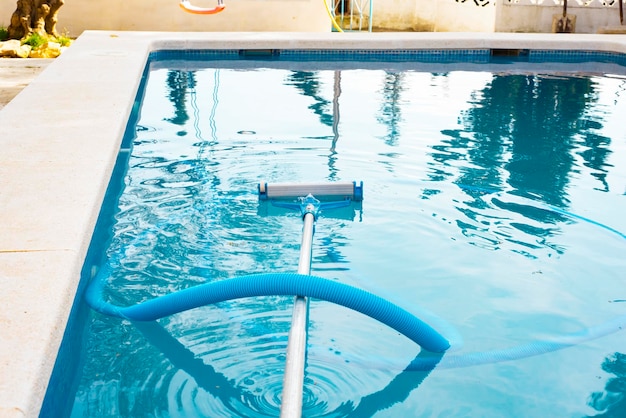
(493, 210)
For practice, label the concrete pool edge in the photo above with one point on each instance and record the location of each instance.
(60, 138)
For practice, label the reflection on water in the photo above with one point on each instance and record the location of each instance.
(523, 131)
(462, 174)
(391, 109)
(179, 83)
(612, 401)
(309, 85)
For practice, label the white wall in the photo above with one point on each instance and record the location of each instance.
(491, 15)
(165, 15)
(310, 15)
(433, 15)
(526, 17)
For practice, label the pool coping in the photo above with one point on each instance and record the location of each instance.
(59, 139)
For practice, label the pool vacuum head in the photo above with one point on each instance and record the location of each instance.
(284, 199)
(322, 191)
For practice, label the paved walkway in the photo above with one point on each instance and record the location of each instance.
(17, 73)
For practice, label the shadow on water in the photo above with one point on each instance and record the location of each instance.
(230, 395)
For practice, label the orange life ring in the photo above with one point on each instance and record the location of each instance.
(190, 8)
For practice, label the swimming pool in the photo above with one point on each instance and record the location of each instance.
(55, 169)
(440, 180)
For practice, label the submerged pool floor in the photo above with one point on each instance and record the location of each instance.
(491, 211)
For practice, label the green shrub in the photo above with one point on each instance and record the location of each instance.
(4, 33)
(64, 40)
(35, 40)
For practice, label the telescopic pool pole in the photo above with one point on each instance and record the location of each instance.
(341, 195)
(293, 379)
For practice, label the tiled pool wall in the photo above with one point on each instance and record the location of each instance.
(483, 55)
(61, 136)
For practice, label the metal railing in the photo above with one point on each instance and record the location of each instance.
(350, 14)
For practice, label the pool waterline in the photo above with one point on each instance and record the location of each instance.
(55, 170)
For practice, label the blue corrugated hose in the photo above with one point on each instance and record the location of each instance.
(269, 284)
